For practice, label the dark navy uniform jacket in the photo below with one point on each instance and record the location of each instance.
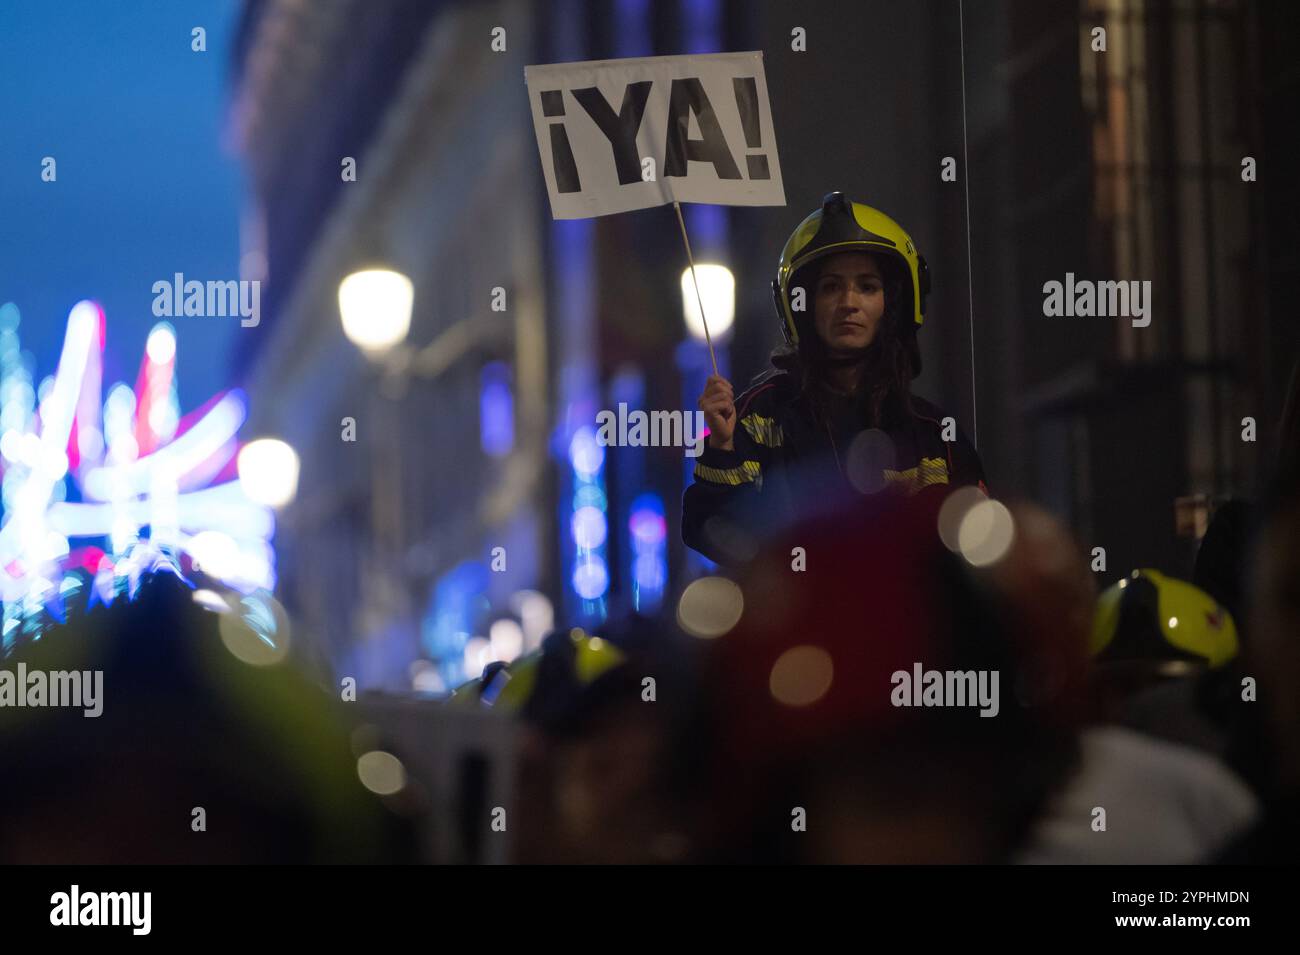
(784, 466)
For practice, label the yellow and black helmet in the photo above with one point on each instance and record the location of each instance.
(1166, 624)
(550, 678)
(841, 225)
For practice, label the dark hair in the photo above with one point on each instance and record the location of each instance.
(884, 391)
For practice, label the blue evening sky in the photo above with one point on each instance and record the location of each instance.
(135, 121)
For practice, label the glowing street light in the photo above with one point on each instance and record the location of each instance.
(718, 290)
(268, 471)
(375, 305)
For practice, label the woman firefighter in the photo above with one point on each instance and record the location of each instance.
(835, 413)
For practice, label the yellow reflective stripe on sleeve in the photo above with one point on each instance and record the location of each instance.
(764, 431)
(929, 471)
(748, 471)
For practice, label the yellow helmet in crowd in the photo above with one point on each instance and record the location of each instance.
(1151, 618)
(841, 225)
(577, 659)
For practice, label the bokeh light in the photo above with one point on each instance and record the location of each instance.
(986, 533)
(161, 344)
(801, 676)
(268, 471)
(710, 607)
(870, 454)
(382, 773)
(590, 577)
(258, 634)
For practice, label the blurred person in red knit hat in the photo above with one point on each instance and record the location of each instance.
(885, 696)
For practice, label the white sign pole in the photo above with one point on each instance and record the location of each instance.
(707, 337)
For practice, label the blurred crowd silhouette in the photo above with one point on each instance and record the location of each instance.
(1155, 722)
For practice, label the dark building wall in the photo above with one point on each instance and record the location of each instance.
(1123, 164)
(337, 63)
(1273, 83)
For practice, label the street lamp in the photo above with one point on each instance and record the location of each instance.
(718, 290)
(375, 305)
(268, 471)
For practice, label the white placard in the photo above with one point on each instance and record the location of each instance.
(616, 135)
